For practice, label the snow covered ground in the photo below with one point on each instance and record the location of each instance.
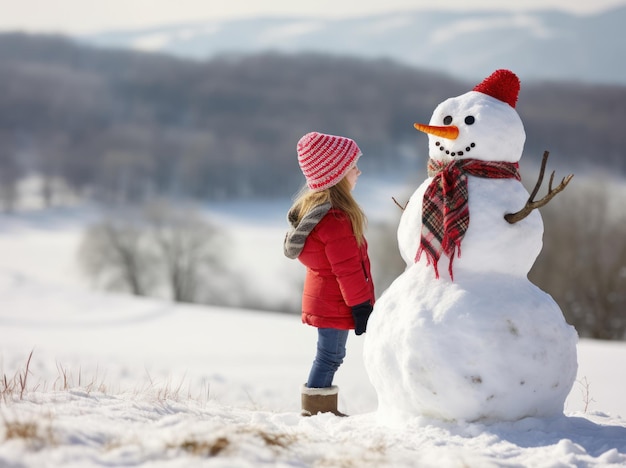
(119, 381)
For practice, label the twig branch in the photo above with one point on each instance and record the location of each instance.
(399, 205)
(531, 204)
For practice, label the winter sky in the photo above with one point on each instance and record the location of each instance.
(88, 16)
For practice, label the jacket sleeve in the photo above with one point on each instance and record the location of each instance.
(344, 256)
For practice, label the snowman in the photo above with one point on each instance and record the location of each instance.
(462, 334)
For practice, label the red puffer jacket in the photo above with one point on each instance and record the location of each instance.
(337, 275)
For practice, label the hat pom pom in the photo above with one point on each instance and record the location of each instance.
(501, 84)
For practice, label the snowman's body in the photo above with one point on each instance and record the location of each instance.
(517, 245)
(487, 344)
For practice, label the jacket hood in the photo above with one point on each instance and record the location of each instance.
(297, 235)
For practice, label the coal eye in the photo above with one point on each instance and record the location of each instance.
(447, 120)
(469, 120)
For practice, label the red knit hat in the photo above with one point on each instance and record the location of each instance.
(325, 159)
(501, 84)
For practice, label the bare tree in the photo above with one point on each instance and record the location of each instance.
(190, 251)
(160, 250)
(114, 254)
(9, 179)
(10, 172)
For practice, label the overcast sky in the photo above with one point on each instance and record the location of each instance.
(85, 16)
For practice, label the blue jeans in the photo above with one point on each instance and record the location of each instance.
(331, 349)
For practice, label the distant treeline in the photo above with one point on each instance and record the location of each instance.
(123, 126)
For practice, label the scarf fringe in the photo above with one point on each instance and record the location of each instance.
(431, 259)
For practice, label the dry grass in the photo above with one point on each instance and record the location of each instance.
(16, 385)
(66, 381)
(585, 392)
(205, 448)
(20, 430)
(19, 385)
(33, 433)
(218, 445)
(168, 391)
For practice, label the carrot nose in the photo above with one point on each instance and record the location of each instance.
(450, 131)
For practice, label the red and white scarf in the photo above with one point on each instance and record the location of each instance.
(445, 209)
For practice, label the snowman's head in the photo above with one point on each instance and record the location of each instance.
(477, 125)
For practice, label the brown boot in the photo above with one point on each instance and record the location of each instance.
(320, 400)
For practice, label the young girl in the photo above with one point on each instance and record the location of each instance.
(327, 237)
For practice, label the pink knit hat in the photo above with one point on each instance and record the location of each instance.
(325, 159)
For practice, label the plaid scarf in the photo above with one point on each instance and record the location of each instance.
(445, 209)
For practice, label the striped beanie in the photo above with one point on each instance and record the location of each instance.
(325, 159)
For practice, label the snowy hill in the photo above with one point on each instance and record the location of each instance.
(539, 44)
(120, 381)
(115, 381)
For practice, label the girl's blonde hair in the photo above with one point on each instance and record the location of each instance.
(340, 198)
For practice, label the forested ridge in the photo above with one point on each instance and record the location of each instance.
(124, 125)
(117, 126)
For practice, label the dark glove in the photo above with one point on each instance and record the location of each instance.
(361, 313)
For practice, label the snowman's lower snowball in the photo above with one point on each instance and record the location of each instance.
(488, 346)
